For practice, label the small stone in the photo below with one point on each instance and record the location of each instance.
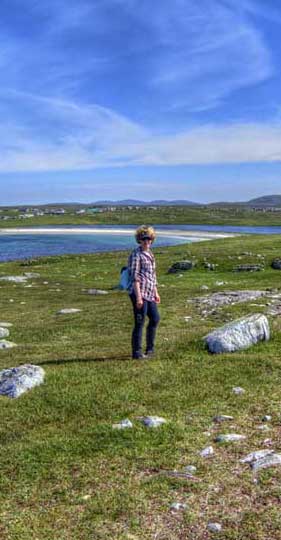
(229, 437)
(238, 390)
(11, 300)
(30, 275)
(15, 279)
(4, 332)
(176, 506)
(263, 427)
(266, 418)
(256, 455)
(6, 324)
(214, 527)
(96, 292)
(204, 288)
(124, 424)
(207, 452)
(222, 418)
(272, 460)
(68, 310)
(180, 266)
(85, 497)
(152, 421)
(4, 344)
(207, 433)
(190, 469)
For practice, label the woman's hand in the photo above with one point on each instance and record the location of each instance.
(139, 303)
(157, 298)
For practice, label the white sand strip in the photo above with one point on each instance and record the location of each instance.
(195, 236)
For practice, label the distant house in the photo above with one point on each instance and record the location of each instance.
(95, 210)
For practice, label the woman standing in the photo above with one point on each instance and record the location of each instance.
(143, 292)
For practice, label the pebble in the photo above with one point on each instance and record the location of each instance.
(229, 437)
(238, 390)
(6, 324)
(68, 310)
(123, 424)
(266, 418)
(190, 469)
(4, 332)
(214, 527)
(264, 427)
(152, 421)
(271, 460)
(222, 418)
(4, 344)
(178, 506)
(256, 455)
(207, 452)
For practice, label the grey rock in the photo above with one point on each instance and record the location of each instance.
(214, 527)
(152, 421)
(191, 469)
(266, 418)
(204, 288)
(176, 506)
(229, 437)
(6, 324)
(31, 275)
(256, 455)
(96, 292)
(225, 298)
(272, 460)
(17, 380)
(210, 266)
(248, 268)
(239, 334)
(276, 264)
(4, 332)
(4, 344)
(238, 390)
(14, 279)
(264, 427)
(207, 452)
(124, 424)
(68, 310)
(222, 418)
(180, 266)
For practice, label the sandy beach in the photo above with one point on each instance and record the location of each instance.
(195, 236)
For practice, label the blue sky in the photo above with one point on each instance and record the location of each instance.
(139, 99)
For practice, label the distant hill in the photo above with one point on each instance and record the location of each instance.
(134, 202)
(266, 201)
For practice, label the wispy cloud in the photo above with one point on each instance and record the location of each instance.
(87, 137)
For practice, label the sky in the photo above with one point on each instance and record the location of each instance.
(162, 99)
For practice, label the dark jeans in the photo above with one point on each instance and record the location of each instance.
(149, 309)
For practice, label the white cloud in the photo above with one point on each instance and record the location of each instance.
(93, 136)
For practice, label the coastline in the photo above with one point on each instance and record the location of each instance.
(196, 236)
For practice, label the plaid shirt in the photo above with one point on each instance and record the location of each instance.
(142, 266)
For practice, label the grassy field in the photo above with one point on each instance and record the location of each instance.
(66, 474)
(165, 215)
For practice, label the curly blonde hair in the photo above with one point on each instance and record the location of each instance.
(145, 230)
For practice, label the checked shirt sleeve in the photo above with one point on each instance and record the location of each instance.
(134, 266)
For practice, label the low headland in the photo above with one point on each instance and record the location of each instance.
(67, 473)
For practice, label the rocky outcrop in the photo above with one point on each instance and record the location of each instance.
(239, 334)
(276, 264)
(181, 266)
(17, 380)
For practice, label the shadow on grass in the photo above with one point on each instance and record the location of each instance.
(103, 358)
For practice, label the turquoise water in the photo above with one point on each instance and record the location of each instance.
(23, 246)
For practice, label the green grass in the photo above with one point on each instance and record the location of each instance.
(229, 215)
(66, 474)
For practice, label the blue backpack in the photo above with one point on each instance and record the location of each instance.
(125, 282)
